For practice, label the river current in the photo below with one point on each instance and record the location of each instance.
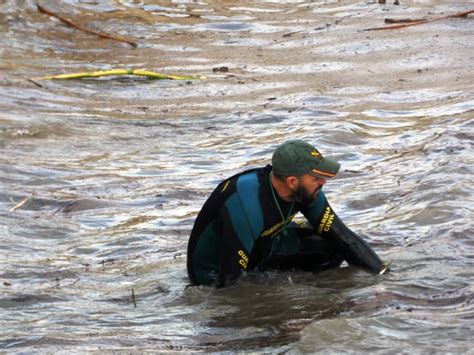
(101, 179)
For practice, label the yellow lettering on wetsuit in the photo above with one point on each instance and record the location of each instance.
(276, 227)
(272, 229)
(326, 221)
(244, 259)
(328, 225)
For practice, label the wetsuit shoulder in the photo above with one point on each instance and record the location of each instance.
(245, 209)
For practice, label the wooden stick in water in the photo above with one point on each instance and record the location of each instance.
(20, 204)
(419, 22)
(72, 24)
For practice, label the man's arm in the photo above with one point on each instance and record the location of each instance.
(233, 254)
(238, 234)
(355, 250)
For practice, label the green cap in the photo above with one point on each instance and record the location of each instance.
(297, 157)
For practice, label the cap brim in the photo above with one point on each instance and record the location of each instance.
(327, 169)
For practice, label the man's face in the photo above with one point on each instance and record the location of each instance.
(307, 189)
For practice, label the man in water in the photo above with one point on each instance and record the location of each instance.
(246, 223)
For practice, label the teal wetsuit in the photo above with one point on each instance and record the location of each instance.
(241, 228)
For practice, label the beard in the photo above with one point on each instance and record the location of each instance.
(303, 197)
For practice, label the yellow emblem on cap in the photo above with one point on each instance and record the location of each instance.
(316, 154)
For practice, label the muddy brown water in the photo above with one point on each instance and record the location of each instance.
(114, 171)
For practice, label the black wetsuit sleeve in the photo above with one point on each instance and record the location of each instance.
(354, 249)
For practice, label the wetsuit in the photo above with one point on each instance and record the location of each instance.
(241, 228)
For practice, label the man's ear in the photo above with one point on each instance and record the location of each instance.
(292, 182)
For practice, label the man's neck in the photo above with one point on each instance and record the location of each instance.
(281, 189)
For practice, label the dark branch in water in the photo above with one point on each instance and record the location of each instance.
(72, 24)
(133, 299)
(35, 83)
(402, 20)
